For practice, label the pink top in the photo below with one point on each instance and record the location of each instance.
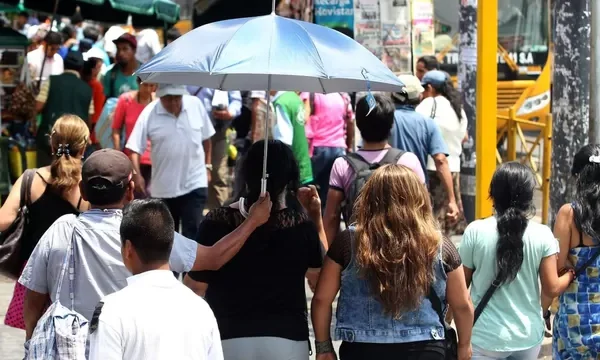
(126, 114)
(327, 127)
(342, 173)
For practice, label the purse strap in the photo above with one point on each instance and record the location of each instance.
(436, 304)
(26, 188)
(68, 263)
(486, 298)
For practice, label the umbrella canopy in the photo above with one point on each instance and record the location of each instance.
(144, 13)
(269, 52)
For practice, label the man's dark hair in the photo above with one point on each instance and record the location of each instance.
(53, 38)
(173, 34)
(91, 33)
(430, 62)
(73, 61)
(376, 126)
(149, 226)
(24, 14)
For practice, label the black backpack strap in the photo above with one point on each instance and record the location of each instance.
(357, 162)
(392, 156)
(486, 299)
(311, 102)
(113, 80)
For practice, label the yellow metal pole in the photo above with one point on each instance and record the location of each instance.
(546, 169)
(511, 136)
(487, 76)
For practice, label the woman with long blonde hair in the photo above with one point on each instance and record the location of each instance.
(396, 274)
(54, 192)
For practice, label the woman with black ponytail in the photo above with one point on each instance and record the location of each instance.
(442, 103)
(577, 227)
(514, 253)
(259, 297)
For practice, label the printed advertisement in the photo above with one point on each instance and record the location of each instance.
(423, 29)
(395, 35)
(334, 13)
(367, 25)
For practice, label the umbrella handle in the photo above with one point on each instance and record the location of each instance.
(263, 186)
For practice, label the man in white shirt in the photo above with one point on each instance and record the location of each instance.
(179, 131)
(148, 45)
(53, 65)
(155, 316)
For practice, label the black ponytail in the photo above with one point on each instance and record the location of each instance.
(448, 91)
(586, 207)
(511, 190)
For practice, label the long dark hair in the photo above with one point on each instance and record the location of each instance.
(448, 91)
(282, 168)
(511, 191)
(586, 207)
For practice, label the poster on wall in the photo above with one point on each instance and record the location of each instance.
(423, 32)
(395, 35)
(296, 9)
(337, 14)
(367, 25)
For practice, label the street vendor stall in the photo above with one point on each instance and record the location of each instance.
(13, 79)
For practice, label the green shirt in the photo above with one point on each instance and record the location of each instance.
(512, 319)
(293, 108)
(120, 82)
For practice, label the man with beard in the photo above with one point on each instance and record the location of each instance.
(120, 79)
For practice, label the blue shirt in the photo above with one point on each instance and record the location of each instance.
(206, 95)
(417, 134)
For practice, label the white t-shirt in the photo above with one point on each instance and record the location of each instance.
(148, 45)
(178, 164)
(453, 130)
(52, 66)
(155, 317)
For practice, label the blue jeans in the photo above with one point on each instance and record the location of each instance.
(322, 162)
(188, 210)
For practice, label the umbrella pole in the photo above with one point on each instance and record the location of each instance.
(263, 181)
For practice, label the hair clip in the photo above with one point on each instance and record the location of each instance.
(63, 149)
(595, 159)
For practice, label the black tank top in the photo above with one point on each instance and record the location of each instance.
(42, 214)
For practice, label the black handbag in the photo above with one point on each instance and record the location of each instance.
(450, 338)
(11, 263)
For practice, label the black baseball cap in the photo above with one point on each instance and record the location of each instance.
(105, 176)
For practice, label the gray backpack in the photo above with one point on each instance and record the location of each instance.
(362, 172)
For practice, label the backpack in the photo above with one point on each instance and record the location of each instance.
(61, 333)
(362, 172)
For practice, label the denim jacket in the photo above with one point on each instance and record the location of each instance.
(361, 318)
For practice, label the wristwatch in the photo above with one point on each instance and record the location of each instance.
(209, 167)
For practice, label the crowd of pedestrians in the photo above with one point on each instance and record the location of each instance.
(363, 216)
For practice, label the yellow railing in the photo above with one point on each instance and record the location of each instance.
(513, 130)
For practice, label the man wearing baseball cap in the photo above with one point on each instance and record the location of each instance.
(421, 135)
(98, 266)
(179, 130)
(120, 79)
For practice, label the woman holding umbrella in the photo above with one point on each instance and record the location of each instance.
(259, 297)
